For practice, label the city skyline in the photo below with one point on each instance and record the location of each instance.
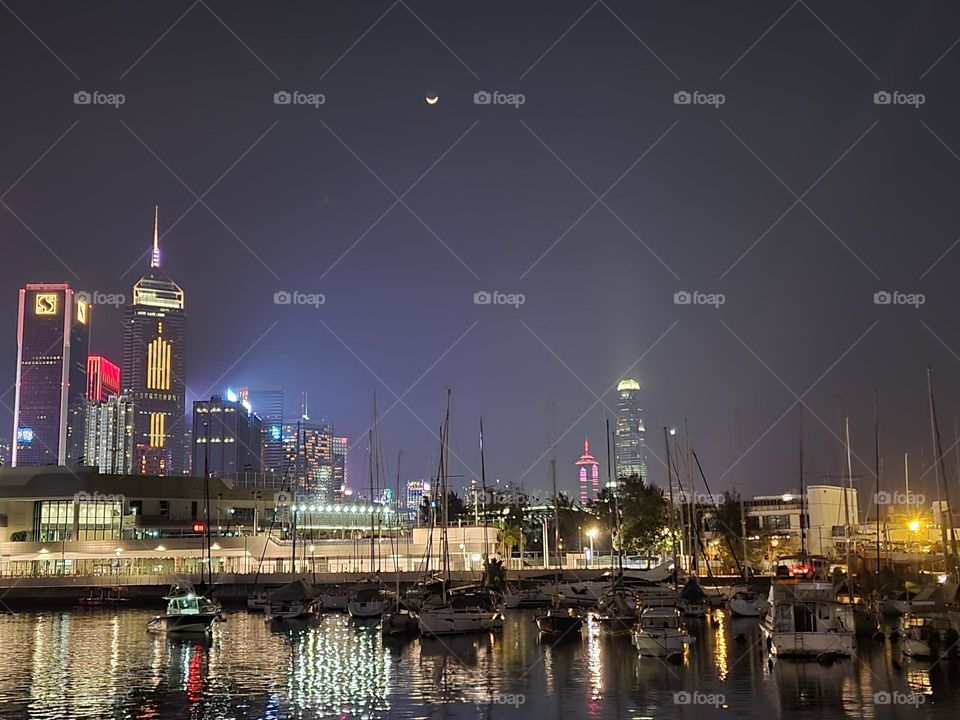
(301, 200)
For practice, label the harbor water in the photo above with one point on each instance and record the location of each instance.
(104, 664)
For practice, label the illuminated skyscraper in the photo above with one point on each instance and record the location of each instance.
(108, 444)
(588, 472)
(309, 456)
(226, 436)
(631, 444)
(154, 354)
(103, 378)
(340, 447)
(268, 404)
(52, 338)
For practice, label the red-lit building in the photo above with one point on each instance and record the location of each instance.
(588, 470)
(103, 378)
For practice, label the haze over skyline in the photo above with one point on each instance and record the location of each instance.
(600, 197)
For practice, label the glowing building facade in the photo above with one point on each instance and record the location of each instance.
(226, 437)
(588, 475)
(103, 378)
(108, 442)
(308, 453)
(52, 339)
(631, 443)
(154, 353)
(268, 404)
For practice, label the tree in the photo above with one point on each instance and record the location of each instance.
(510, 537)
(644, 515)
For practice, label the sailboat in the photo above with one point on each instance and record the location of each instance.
(805, 618)
(467, 609)
(398, 620)
(369, 599)
(555, 622)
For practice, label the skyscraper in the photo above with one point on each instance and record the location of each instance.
(588, 475)
(308, 453)
(103, 378)
(631, 444)
(154, 354)
(108, 444)
(52, 339)
(268, 404)
(226, 436)
(341, 446)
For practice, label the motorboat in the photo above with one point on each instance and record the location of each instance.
(528, 594)
(399, 621)
(807, 620)
(661, 633)
(102, 597)
(693, 601)
(187, 612)
(617, 611)
(647, 584)
(930, 634)
(747, 604)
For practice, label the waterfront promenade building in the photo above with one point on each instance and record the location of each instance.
(52, 342)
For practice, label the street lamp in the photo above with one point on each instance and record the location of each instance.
(591, 533)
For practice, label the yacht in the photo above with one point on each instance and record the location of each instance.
(617, 611)
(646, 584)
(661, 633)
(187, 612)
(931, 634)
(257, 601)
(368, 600)
(471, 609)
(294, 601)
(334, 597)
(807, 620)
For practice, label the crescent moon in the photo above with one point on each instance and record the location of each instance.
(432, 100)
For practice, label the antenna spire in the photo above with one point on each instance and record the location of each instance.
(155, 255)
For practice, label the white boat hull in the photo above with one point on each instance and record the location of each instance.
(660, 644)
(367, 609)
(449, 621)
(808, 644)
(747, 609)
(192, 624)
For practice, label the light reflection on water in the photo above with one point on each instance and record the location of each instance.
(105, 664)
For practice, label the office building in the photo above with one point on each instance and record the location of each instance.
(588, 475)
(52, 339)
(268, 404)
(154, 354)
(103, 378)
(226, 437)
(631, 444)
(108, 432)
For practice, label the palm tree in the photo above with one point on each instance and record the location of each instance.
(510, 537)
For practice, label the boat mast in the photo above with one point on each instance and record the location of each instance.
(803, 497)
(846, 506)
(673, 534)
(616, 504)
(877, 467)
(942, 477)
(444, 466)
(483, 488)
(556, 532)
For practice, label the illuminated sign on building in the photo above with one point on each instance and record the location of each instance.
(45, 304)
(82, 311)
(25, 436)
(159, 363)
(158, 423)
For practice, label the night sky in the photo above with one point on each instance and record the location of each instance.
(598, 199)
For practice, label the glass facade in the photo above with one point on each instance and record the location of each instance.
(69, 520)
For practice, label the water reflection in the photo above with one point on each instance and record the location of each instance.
(104, 664)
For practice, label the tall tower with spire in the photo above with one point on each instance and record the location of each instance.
(588, 472)
(154, 355)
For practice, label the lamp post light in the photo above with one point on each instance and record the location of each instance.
(591, 533)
